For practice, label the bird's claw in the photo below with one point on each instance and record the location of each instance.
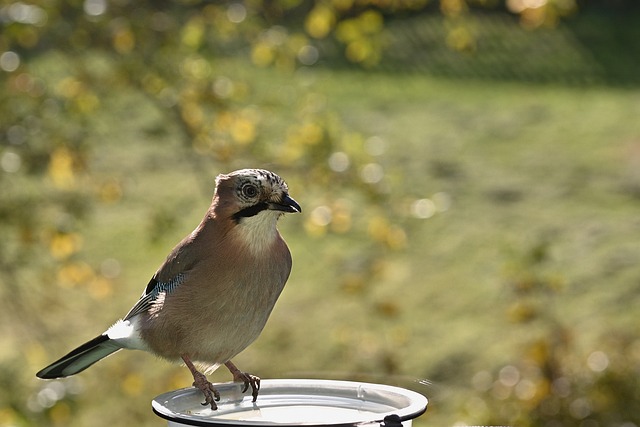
(248, 380)
(211, 395)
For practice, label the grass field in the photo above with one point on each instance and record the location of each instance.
(519, 209)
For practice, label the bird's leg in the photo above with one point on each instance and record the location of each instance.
(200, 381)
(247, 379)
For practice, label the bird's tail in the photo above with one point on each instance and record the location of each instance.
(81, 358)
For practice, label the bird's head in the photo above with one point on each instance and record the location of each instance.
(246, 193)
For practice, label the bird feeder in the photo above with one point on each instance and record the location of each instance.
(288, 403)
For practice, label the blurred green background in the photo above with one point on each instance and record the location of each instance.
(469, 172)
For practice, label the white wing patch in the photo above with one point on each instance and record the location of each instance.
(126, 333)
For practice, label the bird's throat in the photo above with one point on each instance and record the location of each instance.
(258, 232)
(249, 212)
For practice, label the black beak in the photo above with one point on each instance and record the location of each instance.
(287, 204)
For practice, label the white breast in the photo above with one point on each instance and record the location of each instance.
(259, 231)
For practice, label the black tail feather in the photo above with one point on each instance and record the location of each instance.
(80, 359)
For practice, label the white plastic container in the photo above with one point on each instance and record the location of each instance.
(287, 403)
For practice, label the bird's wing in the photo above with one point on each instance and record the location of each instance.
(155, 288)
(173, 272)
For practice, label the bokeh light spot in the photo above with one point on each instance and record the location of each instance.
(95, 7)
(509, 376)
(339, 161)
(236, 13)
(372, 173)
(423, 208)
(26, 14)
(9, 61)
(598, 361)
(580, 408)
(321, 215)
(10, 162)
(110, 268)
(525, 390)
(562, 387)
(518, 6)
(195, 67)
(308, 55)
(223, 87)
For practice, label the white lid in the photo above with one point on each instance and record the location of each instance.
(293, 402)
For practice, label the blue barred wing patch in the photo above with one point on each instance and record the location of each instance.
(155, 288)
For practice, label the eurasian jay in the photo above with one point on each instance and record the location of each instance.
(213, 294)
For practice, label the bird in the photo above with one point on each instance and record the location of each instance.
(212, 296)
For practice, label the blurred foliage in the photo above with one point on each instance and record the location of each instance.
(61, 61)
(553, 381)
(64, 64)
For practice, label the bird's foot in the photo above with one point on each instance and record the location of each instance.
(211, 395)
(245, 378)
(200, 381)
(249, 380)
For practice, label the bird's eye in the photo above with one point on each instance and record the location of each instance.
(249, 190)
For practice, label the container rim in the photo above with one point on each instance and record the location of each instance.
(276, 390)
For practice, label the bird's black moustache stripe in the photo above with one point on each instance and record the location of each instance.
(250, 211)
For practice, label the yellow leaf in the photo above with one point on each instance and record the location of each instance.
(69, 87)
(63, 245)
(100, 288)
(87, 102)
(378, 228)
(341, 222)
(371, 22)
(292, 151)
(60, 168)
(193, 33)
(262, 54)
(243, 130)
(320, 21)
(312, 133)
(347, 31)
(124, 40)
(396, 238)
(359, 50)
(223, 121)
(8, 417)
(192, 114)
(75, 273)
